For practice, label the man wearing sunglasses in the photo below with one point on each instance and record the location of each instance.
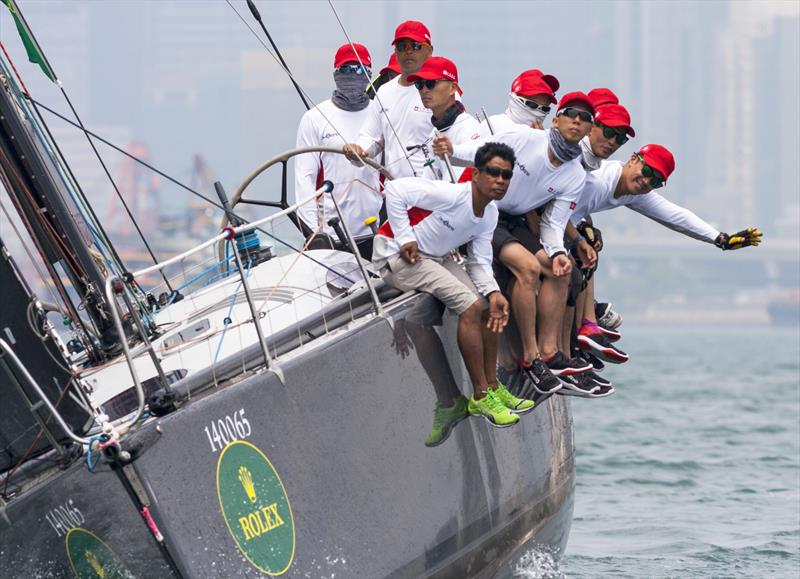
(400, 122)
(437, 83)
(612, 129)
(332, 123)
(548, 177)
(427, 220)
(529, 103)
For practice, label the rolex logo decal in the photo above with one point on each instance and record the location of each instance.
(94, 563)
(255, 507)
(91, 558)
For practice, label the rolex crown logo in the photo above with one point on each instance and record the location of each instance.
(247, 483)
(94, 563)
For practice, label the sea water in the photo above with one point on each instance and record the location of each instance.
(692, 469)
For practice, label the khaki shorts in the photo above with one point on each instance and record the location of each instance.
(440, 277)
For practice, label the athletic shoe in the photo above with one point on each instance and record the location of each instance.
(596, 362)
(612, 335)
(492, 409)
(599, 346)
(579, 385)
(560, 365)
(444, 419)
(597, 379)
(540, 377)
(514, 404)
(602, 392)
(606, 317)
(589, 327)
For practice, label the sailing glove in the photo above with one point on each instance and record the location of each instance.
(743, 238)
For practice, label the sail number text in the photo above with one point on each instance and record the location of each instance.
(65, 517)
(225, 430)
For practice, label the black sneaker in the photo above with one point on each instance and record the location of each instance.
(602, 392)
(540, 377)
(578, 385)
(600, 347)
(596, 362)
(560, 365)
(597, 379)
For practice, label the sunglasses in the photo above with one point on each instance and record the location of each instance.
(609, 132)
(534, 105)
(506, 174)
(351, 69)
(406, 45)
(571, 112)
(648, 172)
(428, 84)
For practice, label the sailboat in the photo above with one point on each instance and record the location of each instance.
(250, 407)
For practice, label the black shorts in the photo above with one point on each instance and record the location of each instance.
(512, 228)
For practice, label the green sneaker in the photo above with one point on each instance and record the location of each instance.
(493, 410)
(514, 404)
(444, 419)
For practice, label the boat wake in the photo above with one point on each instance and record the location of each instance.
(540, 562)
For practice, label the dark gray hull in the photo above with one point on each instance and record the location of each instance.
(345, 435)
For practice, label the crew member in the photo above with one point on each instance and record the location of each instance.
(548, 176)
(529, 103)
(437, 83)
(427, 220)
(400, 125)
(333, 123)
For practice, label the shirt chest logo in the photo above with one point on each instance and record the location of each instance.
(446, 223)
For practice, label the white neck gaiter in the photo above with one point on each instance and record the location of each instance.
(520, 114)
(589, 160)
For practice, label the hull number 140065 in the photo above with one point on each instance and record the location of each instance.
(225, 430)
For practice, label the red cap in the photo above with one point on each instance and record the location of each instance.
(533, 82)
(346, 54)
(614, 116)
(392, 66)
(659, 158)
(576, 97)
(602, 96)
(412, 30)
(437, 68)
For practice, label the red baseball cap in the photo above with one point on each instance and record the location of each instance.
(392, 66)
(659, 158)
(614, 116)
(576, 97)
(437, 68)
(533, 82)
(351, 53)
(412, 30)
(602, 96)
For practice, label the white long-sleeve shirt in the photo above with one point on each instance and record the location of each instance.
(409, 119)
(357, 189)
(442, 219)
(464, 128)
(536, 182)
(598, 195)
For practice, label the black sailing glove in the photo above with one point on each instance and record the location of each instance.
(591, 234)
(744, 238)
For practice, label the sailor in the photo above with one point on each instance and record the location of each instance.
(400, 125)
(633, 185)
(427, 220)
(437, 83)
(612, 129)
(386, 74)
(548, 177)
(529, 103)
(333, 123)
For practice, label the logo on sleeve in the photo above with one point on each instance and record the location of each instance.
(573, 205)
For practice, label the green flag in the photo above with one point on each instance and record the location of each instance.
(34, 52)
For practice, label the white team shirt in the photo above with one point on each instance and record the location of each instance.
(464, 128)
(357, 189)
(450, 224)
(412, 122)
(501, 123)
(536, 182)
(598, 195)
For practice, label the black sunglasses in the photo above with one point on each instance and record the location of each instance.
(535, 106)
(648, 172)
(609, 132)
(404, 45)
(497, 172)
(583, 115)
(428, 84)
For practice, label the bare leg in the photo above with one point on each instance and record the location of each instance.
(550, 306)
(489, 352)
(470, 343)
(565, 343)
(588, 304)
(526, 270)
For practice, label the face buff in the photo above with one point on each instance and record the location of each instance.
(449, 116)
(563, 150)
(350, 93)
(590, 161)
(521, 114)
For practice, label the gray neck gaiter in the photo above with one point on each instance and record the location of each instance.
(350, 93)
(589, 160)
(563, 150)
